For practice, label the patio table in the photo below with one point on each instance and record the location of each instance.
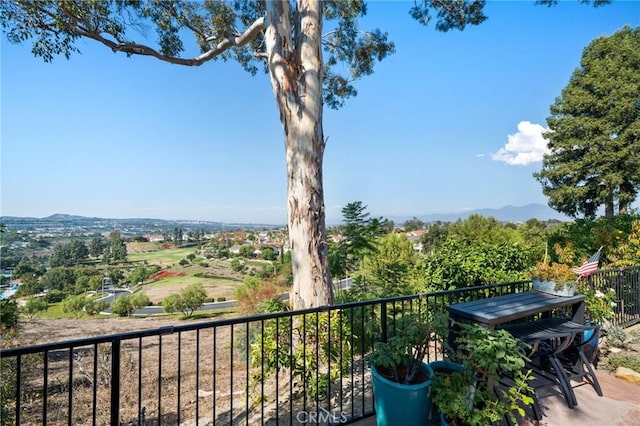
(494, 311)
(497, 312)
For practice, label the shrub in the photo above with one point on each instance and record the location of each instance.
(623, 360)
(34, 306)
(55, 296)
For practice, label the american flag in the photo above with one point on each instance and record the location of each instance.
(590, 266)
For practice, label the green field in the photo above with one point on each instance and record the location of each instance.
(162, 257)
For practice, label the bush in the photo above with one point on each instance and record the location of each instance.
(34, 306)
(623, 360)
(221, 299)
(55, 296)
(9, 313)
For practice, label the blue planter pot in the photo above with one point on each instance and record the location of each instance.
(399, 404)
(590, 349)
(435, 417)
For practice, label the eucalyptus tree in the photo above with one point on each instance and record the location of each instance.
(594, 134)
(307, 69)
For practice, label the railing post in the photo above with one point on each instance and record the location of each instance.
(383, 320)
(115, 382)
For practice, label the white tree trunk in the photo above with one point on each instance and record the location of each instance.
(295, 68)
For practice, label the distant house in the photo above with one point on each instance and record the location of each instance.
(235, 249)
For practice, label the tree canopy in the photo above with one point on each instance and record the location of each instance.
(594, 134)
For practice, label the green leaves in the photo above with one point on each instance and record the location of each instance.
(594, 132)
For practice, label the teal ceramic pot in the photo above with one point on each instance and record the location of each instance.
(398, 404)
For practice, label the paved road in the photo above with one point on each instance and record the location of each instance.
(157, 310)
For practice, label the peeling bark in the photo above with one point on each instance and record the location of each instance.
(295, 68)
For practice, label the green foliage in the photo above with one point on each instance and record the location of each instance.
(457, 265)
(584, 236)
(68, 254)
(554, 272)
(268, 253)
(387, 271)
(95, 307)
(246, 251)
(28, 268)
(29, 286)
(236, 265)
(617, 337)
(172, 303)
(9, 314)
(190, 299)
(627, 253)
(139, 275)
(193, 297)
(97, 246)
(116, 251)
(413, 224)
(314, 359)
(623, 360)
(62, 279)
(437, 234)
(253, 293)
(593, 137)
(359, 232)
(125, 305)
(74, 305)
(34, 306)
(599, 306)
(55, 296)
(403, 352)
(486, 355)
(480, 229)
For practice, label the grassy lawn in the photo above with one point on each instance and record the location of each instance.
(55, 311)
(162, 257)
(214, 287)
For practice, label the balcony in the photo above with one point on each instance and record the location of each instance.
(290, 368)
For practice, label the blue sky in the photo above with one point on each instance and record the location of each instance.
(450, 122)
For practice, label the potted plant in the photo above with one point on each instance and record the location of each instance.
(554, 278)
(469, 395)
(599, 307)
(400, 376)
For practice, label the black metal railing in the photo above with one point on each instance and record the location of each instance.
(626, 284)
(307, 366)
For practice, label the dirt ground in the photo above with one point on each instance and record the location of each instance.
(39, 331)
(206, 371)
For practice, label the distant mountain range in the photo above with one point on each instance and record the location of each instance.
(504, 214)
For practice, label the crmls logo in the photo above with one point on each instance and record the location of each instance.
(323, 416)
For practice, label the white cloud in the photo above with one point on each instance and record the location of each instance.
(524, 147)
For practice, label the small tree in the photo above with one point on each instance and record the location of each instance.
(74, 305)
(139, 301)
(122, 306)
(95, 307)
(139, 275)
(193, 297)
(172, 303)
(34, 306)
(9, 314)
(190, 299)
